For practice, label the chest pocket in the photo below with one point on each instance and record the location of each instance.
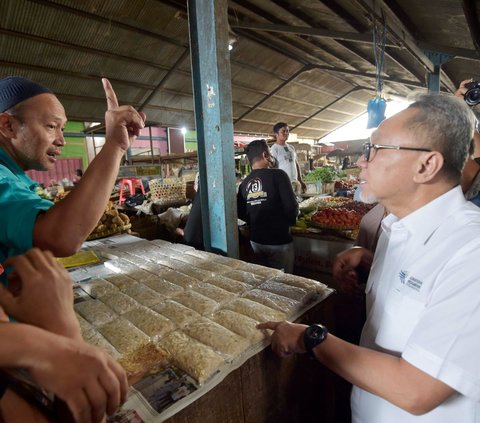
(400, 316)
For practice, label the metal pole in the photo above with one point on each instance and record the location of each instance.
(208, 24)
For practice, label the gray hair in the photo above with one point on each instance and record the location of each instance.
(476, 112)
(446, 124)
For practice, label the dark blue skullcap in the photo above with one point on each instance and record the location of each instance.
(15, 89)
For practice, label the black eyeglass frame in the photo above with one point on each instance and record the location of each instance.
(367, 149)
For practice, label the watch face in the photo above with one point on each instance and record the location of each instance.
(316, 331)
(314, 335)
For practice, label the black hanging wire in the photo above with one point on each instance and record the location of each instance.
(379, 43)
(376, 106)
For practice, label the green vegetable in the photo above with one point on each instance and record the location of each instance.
(323, 174)
(301, 224)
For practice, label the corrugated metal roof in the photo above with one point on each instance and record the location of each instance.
(320, 52)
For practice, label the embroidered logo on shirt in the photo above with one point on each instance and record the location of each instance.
(410, 282)
(403, 275)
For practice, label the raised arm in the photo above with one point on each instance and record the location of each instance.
(65, 226)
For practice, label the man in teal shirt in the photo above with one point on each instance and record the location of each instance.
(31, 137)
(32, 120)
(20, 206)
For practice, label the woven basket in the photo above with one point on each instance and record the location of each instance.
(168, 191)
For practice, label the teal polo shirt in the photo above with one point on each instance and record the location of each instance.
(19, 208)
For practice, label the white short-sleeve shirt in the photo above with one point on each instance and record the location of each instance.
(423, 304)
(286, 158)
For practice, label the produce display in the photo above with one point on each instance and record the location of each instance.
(346, 185)
(323, 174)
(358, 206)
(337, 218)
(339, 214)
(313, 203)
(112, 222)
(346, 216)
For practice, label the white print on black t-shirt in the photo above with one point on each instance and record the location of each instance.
(255, 193)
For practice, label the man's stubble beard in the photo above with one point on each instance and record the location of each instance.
(368, 199)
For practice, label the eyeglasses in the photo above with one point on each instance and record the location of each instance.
(368, 147)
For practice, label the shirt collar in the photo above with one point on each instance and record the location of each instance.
(17, 171)
(424, 221)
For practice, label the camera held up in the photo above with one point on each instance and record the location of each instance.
(472, 96)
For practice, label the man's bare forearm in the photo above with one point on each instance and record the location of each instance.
(66, 225)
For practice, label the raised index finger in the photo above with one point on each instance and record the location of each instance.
(112, 102)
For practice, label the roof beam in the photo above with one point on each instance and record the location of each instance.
(272, 45)
(266, 43)
(360, 27)
(330, 104)
(166, 77)
(291, 41)
(304, 17)
(80, 75)
(272, 93)
(92, 77)
(393, 80)
(460, 53)
(109, 22)
(307, 30)
(95, 77)
(344, 15)
(403, 35)
(81, 48)
(86, 99)
(327, 68)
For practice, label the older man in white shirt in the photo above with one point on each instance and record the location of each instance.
(418, 356)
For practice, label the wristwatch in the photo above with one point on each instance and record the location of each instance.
(314, 335)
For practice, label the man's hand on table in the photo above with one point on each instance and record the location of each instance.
(287, 338)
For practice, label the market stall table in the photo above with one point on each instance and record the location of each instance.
(253, 386)
(267, 388)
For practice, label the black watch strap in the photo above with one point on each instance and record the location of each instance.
(314, 335)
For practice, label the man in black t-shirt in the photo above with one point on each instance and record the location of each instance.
(266, 201)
